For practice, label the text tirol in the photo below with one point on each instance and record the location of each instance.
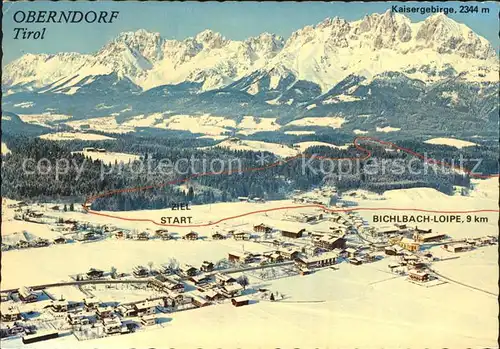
(57, 17)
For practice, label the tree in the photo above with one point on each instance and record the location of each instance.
(243, 281)
(65, 208)
(272, 297)
(72, 207)
(190, 195)
(150, 265)
(173, 264)
(113, 272)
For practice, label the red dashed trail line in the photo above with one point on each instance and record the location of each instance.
(367, 155)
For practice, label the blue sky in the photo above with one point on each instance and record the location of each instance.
(235, 21)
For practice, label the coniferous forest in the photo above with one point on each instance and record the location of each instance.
(85, 177)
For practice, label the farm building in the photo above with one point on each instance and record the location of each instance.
(224, 279)
(242, 236)
(119, 234)
(22, 244)
(91, 303)
(460, 247)
(112, 325)
(192, 235)
(276, 257)
(27, 295)
(78, 319)
(218, 236)
(200, 301)
(240, 301)
(207, 266)
(262, 228)
(355, 261)
(289, 254)
(177, 298)
(60, 240)
(163, 234)
(86, 236)
(393, 250)
(430, 237)
(199, 280)
(409, 244)
(240, 257)
(105, 312)
(39, 336)
(144, 308)
(95, 274)
(330, 242)
(418, 275)
(59, 306)
(148, 320)
(232, 289)
(188, 270)
(159, 232)
(370, 257)
(168, 284)
(142, 236)
(140, 272)
(213, 295)
(487, 240)
(292, 234)
(322, 260)
(9, 313)
(351, 252)
(422, 231)
(39, 242)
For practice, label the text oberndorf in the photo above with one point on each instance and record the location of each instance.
(57, 17)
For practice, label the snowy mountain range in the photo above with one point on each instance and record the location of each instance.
(333, 68)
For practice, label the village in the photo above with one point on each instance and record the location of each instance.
(96, 303)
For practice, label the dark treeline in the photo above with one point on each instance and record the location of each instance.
(381, 172)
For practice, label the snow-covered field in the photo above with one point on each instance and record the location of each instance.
(5, 149)
(319, 310)
(257, 146)
(485, 196)
(110, 157)
(330, 121)
(67, 136)
(206, 124)
(104, 124)
(278, 149)
(251, 124)
(458, 143)
(387, 129)
(43, 119)
(304, 145)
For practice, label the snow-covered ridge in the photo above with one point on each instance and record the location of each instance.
(323, 54)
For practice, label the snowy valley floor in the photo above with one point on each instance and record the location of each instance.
(362, 306)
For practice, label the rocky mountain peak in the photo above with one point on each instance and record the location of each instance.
(265, 43)
(210, 39)
(142, 43)
(449, 37)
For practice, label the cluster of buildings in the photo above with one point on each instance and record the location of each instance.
(94, 150)
(175, 288)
